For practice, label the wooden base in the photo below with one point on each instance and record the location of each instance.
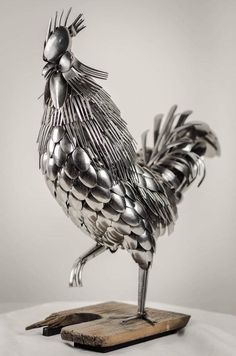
(99, 327)
(104, 349)
(109, 333)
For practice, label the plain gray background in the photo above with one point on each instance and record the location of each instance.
(157, 53)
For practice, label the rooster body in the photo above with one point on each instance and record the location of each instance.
(120, 198)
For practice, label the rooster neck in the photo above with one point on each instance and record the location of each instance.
(93, 122)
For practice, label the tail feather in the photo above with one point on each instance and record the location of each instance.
(179, 149)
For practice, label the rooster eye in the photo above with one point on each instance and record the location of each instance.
(58, 43)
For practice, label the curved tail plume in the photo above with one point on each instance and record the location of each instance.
(179, 149)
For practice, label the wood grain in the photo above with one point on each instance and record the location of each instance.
(108, 332)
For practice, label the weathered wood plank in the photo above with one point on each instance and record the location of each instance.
(99, 327)
(108, 332)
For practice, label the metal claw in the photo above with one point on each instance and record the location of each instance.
(138, 316)
(77, 268)
(73, 277)
(76, 273)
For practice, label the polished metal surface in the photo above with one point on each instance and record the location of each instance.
(58, 89)
(120, 198)
(76, 272)
(57, 44)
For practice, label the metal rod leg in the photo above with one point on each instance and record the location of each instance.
(77, 269)
(142, 290)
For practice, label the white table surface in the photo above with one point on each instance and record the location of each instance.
(207, 334)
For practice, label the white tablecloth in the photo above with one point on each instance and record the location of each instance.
(207, 334)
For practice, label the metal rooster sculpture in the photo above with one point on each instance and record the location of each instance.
(120, 198)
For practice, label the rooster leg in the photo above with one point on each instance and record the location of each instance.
(77, 269)
(142, 292)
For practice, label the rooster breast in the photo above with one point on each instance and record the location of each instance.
(127, 214)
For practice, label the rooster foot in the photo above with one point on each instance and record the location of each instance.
(77, 269)
(138, 316)
(76, 273)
